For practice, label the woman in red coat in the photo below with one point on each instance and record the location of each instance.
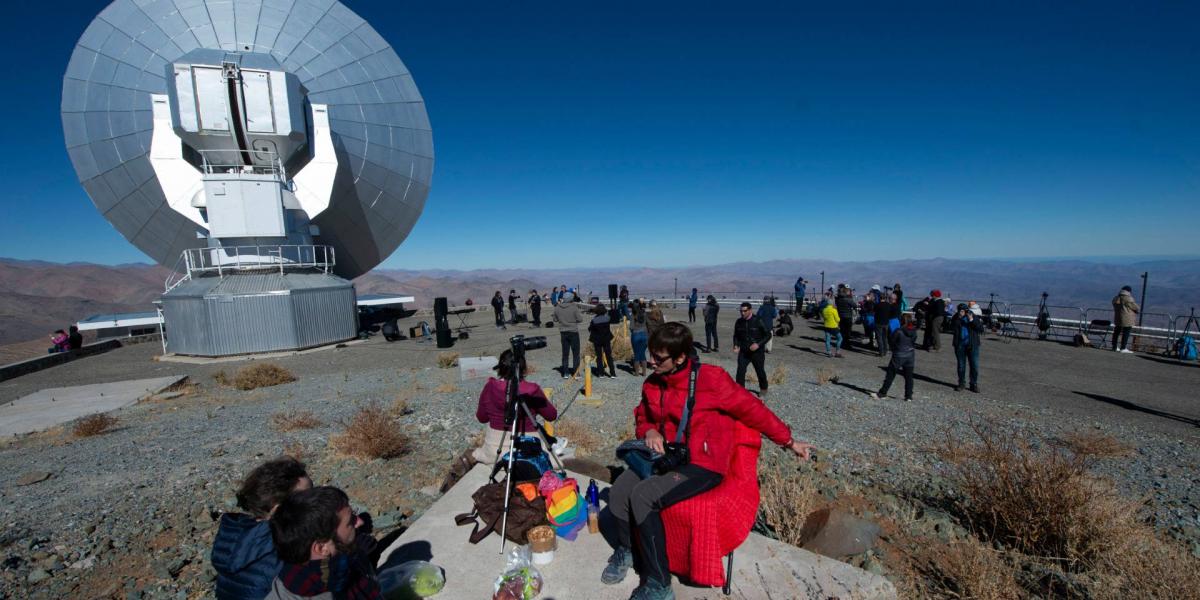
(637, 502)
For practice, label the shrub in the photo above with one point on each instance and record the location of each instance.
(445, 360)
(93, 425)
(621, 346)
(255, 376)
(585, 439)
(778, 375)
(371, 433)
(446, 388)
(965, 569)
(400, 406)
(1036, 497)
(826, 375)
(786, 500)
(292, 421)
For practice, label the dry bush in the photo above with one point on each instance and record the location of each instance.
(371, 433)
(295, 420)
(446, 388)
(965, 569)
(621, 346)
(445, 360)
(778, 375)
(294, 449)
(400, 406)
(786, 499)
(826, 375)
(1093, 444)
(93, 425)
(1036, 497)
(585, 439)
(255, 376)
(1148, 566)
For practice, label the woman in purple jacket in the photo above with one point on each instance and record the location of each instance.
(493, 404)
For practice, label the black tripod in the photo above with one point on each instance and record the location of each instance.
(515, 413)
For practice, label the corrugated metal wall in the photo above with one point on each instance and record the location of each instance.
(205, 319)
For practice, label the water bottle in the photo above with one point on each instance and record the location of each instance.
(593, 494)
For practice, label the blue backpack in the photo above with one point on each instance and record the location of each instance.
(1186, 348)
(529, 460)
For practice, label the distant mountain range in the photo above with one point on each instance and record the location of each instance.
(38, 297)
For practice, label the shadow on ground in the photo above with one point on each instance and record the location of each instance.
(1139, 408)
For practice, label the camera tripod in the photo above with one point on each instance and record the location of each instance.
(515, 412)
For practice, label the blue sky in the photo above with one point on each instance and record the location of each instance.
(664, 133)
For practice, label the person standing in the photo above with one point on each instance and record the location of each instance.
(639, 336)
(498, 307)
(885, 311)
(692, 301)
(830, 318)
(800, 288)
(568, 316)
(935, 315)
(535, 308)
(750, 337)
(512, 306)
(654, 318)
(903, 343)
(901, 301)
(867, 310)
(1125, 312)
(768, 313)
(845, 309)
(623, 302)
(711, 308)
(968, 332)
(600, 334)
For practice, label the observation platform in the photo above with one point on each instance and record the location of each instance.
(762, 568)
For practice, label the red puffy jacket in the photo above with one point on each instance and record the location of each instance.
(719, 403)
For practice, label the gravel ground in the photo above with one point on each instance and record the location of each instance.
(130, 513)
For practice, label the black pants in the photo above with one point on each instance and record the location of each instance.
(605, 350)
(758, 359)
(1123, 333)
(904, 365)
(710, 336)
(691, 314)
(967, 355)
(637, 502)
(847, 327)
(499, 317)
(881, 337)
(933, 333)
(536, 309)
(570, 343)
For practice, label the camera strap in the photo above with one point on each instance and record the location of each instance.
(691, 399)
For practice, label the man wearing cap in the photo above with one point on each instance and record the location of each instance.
(1125, 312)
(935, 315)
(968, 333)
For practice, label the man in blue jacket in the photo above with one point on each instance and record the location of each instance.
(693, 300)
(243, 554)
(968, 333)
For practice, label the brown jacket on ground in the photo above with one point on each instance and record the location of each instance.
(1124, 310)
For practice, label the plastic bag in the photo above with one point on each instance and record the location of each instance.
(412, 580)
(523, 583)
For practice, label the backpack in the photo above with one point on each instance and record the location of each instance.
(1186, 348)
(529, 460)
(487, 517)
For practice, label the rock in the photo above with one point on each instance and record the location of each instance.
(37, 575)
(85, 564)
(836, 533)
(873, 565)
(33, 477)
(431, 491)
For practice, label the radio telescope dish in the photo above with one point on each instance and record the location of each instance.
(341, 89)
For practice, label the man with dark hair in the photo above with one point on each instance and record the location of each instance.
(844, 303)
(693, 301)
(74, 338)
(750, 338)
(498, 308)
(1125, 312)
(243, 554)
(315, 534)
(935, 315)
(535, 308)
(711, 309)
(512, 306)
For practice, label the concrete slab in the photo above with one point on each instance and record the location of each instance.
(763, 568)
(54, 406)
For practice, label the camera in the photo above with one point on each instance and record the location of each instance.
(675, 455)
(521, 343)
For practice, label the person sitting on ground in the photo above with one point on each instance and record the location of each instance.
(784, 327)
(832, 327)
(493, 404)
(719, 402)
(74, 338)
(60, 340)
(711, 309)
(242, 554)
(902, 341)
(324, 555)
(601, 336)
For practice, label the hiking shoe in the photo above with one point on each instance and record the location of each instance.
(653, 590)
(1126, 351)
(909, 399)
(618, 566)
(958, 388)
(874, 396)
(975, 389)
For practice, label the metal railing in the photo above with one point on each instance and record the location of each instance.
(195, 261)
(222, 166)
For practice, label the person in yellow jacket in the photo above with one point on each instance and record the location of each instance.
(831, 325)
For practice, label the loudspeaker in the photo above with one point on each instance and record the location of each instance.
(441, 323)
(612, 291)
